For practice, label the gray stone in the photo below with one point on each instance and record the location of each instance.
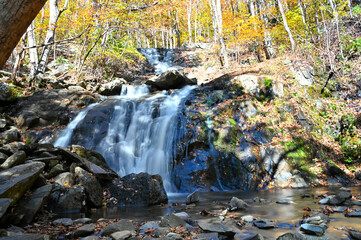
(93, 190)
(112, 88)
(324, 201)
(83, 220)
(355, 235)
(277, 89)
(119, 226)
(14, 182)
(340, 198)
(183, 215)
(171, 220)
(264, 223)
(354, 214)
(84, 230)
(121, 235)
(4, 205)
(304, 76)
(11, 135)
(284, 201)
(340, 209)
(149, 225)
(3, 157)
(14, 160)
(171, 80)
(90, 238)
(358, 175)
(30, 206)
(27, 236)
(207, 236)
(66, 198)
(217, 227)
(357, 203)
(343, 189)
(193, 197)
(248, 82)
(76, 89)
(238, 203)
(298, 182)
(292, 236)
(55, 171)
(312, 229)
(317, 219)
(63, 221)
(64, 179)
(173, 236)
(248, 218)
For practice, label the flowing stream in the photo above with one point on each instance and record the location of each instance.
(138, 132)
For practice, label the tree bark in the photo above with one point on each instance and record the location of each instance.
(15, 17)
(33, 52)
(285, 24)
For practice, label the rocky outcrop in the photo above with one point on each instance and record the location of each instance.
(141, 188)
(171, 80)
(112, 88)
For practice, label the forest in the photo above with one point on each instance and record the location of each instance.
(180, 119)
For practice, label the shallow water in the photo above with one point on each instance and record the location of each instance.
(287, 216)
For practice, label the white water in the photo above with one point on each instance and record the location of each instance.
(153, 56)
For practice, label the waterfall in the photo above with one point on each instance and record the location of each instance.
(161, 62)
(137, 131)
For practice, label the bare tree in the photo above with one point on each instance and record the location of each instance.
(15, 17)
(285, 24)
(33, 51)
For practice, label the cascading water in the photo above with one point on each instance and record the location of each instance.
(161, 62)
(136, 132)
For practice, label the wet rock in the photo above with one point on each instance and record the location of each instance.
(63, 221)
(93, 190)
(354, 214)
(119, 226)
(4, 205)
(28, 119)
(112, 88)
(324, 201)
(149, 225)
(90, 238)
(64, 179)
(84, 231)
(14, 160)
(56, 170)
(264, 223)
(30, 206)
(248, 82)
(340, 209)
(285, 201)
(171, 220)
(142, 189)
(249, 236)
(207, 236)
(292, 236)
(66, 198)
(248, 218)
(312, 229)
(318, 219)
(83, 220)
(171, 80)
(11, 135)
(355, 235)
(357, 203)
(193, 197)
(3, 157)
(340, 198)
(238, 203)
(173, 236)
(27, 236)
(343, 189)
(217, 227)
(14, 182)
(121, 235)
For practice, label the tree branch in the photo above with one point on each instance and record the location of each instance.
(139, 8)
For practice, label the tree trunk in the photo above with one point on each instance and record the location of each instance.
(268, 46)
(285, 24)
(33, 52)
(189, 20)
(15, 17)
(50, 35)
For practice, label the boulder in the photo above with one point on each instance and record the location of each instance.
(312, 229)
(54, 171)
(298, 182)
(29, 207)
(11, 135)
(27, 236)
(304, 75)
(28, 119)
(193, 197)
(64, 179)
(173, 236)
(14, 160)
(217, 227)
(171, 80)
(248, 82)
(112, 88)
(119, 226)
(84, 231)
(292, 236)
(238, 203)
(93, 190)
(355, 235)
(264, 223)
(64, 199)
(63, 221)
(5, 92)
(14, 182)
(4, 205)
(172, 221)
(142, 188)
(284, 201)
(340, 198)
(121, 235)
(317, 219)
(3, 157)
(358, 175)
(149, 225)
(354, 214)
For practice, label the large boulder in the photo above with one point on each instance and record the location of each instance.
(238, 203)
(93, 190)
(142, 189)
(14, 182)
(64, 199)
(112, 88)
(121, 225)
(10, 135)
(249, 83)
(171, 80)
(15, 159)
